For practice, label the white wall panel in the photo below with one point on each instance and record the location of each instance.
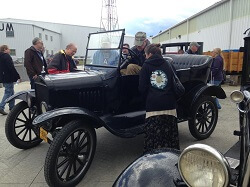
(23, 35)
(239, 26)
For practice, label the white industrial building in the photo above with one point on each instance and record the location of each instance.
(18, 35)
(220, 25)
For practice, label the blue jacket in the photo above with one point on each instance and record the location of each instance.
(106, 57)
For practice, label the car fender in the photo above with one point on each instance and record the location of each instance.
(66, 111)
(211, 90)
(158, 167)
(21, 95)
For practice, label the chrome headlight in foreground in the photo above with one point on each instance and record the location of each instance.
(236, 96)
(202, 165)
(44, 107)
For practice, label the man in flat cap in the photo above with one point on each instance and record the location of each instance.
(135, 63)
(193, 48)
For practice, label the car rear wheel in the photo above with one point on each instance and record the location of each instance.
(19, 129)
(70, 154)
(204, 116)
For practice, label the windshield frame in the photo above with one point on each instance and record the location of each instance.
(118, 49)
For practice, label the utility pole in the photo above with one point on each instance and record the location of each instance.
(109, 18)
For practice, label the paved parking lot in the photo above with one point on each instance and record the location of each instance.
(23, 168)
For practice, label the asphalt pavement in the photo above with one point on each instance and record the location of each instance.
(24, 168)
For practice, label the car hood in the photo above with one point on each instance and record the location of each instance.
(74, 80)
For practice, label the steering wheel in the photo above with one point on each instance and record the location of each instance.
(131, 55)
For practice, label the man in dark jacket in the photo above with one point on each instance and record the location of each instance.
(63, 61)
(34, 60)
(135, 64)
(8, 75)
(193, 48)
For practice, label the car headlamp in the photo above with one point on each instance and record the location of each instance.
(237, 96)
(44, 107)
(202, 165)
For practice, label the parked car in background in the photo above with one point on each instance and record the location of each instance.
(173, 48)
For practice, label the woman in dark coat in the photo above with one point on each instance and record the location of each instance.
(156, 77)
(217, 70)
(8, 75)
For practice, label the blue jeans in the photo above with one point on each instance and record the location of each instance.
(217, 83)
(9, 91)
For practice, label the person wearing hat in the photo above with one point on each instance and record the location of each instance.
(193, 48)
(135, 63)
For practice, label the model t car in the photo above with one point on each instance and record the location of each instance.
(65, 109)
(199, 164)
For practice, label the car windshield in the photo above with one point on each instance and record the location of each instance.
(104, 48)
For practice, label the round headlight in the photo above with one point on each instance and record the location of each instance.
(202, 165)
(44, 107)
(237, 96)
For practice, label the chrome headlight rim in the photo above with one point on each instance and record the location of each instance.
(44, 107)
(236, 96)
(208, 149)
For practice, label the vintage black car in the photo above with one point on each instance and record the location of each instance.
(65, 109)
(172, 48)
(200, 164)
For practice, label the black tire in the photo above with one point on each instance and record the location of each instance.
(204, 117)
(19, 129)
(66, 164)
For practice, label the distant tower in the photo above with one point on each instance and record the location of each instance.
(109, 18)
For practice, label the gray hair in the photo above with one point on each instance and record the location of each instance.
(35, 40)
(70, 46)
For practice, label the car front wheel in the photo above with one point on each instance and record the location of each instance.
(204, 116)
(70, 154)
(19, 129)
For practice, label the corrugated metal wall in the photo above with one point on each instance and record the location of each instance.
(23, 35)
(221, 26)
(215, 16)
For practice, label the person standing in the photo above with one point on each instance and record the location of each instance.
(63, 62)
(217, 70)
(8, 75)
(156, 83)
(34, 60)
(193, 48)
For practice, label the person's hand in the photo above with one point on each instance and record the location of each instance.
(34, 77)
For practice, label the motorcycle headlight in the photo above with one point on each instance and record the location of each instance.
(236, 96)
(44, 107)
(202, 165)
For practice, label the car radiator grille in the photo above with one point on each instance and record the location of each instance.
(91, 99)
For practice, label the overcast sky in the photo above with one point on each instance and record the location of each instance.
(150, 16)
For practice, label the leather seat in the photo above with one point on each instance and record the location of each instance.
(186, 61)
(191, 67)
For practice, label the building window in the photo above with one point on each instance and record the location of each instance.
(9, 33)
(51, 38)
(47, 52)
(46, 37)
(40, 35)
(12, 52)
(52, 52)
